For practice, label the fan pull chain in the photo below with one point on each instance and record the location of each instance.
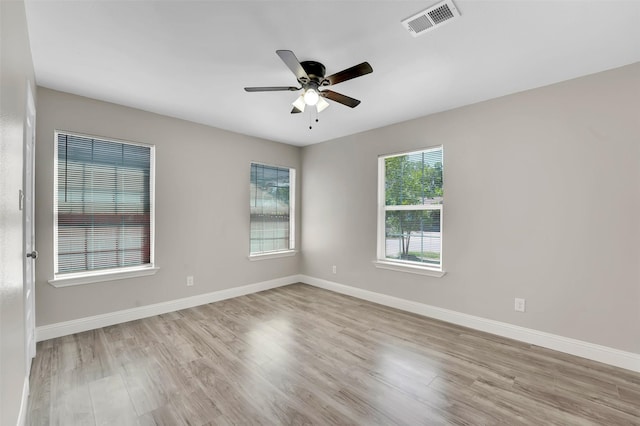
(310, 126)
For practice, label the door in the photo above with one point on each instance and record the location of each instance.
(29, 230)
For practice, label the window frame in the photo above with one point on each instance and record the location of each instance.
(110, 274)
(397, 264)
(292, 250)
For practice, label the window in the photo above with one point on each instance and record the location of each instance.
(103, 206)
(410, 210)
(272, 192)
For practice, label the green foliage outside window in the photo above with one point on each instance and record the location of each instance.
(413, 180)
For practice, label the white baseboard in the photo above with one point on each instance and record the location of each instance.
(22, 414)
(592, 351)
(66, 328)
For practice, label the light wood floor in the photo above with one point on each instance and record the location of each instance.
(301, 355)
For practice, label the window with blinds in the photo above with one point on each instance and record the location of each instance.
(103, 204)
(271, 209)
(410, 214)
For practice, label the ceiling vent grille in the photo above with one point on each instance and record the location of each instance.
(433, 17)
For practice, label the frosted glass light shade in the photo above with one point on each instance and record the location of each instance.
(299, 103)
(322, 105)
(311, 97)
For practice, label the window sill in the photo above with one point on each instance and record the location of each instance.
(420, 270)
(272, 255)
(96, 277)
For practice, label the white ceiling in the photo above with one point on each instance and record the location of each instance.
(191, 59)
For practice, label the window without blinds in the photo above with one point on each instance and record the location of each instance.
(271, 203)
(411, 211)
(103, 204)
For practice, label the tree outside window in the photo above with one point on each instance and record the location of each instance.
(413, 198)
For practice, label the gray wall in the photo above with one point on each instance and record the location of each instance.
(542, 201)
(202, 207)
(16, 71)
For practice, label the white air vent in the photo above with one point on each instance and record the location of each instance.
(433, 17)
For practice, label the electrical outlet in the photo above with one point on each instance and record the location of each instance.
(189, 280)
(519, 305)
(335, 269)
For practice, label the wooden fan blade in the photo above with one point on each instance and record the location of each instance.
(340, 98)
(272, 89)
(290, 60)
(295, 111)
(349, 73)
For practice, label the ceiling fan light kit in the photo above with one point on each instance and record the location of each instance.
(311, 77)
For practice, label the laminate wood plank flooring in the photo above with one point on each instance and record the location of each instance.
(299, 355)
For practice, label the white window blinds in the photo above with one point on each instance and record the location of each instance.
(271, 202)
(412, 210)
(104, 204)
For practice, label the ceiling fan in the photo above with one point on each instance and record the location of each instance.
(310, 75)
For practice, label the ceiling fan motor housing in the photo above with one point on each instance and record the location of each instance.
(315, 71)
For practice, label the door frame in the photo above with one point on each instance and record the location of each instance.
(28, 225)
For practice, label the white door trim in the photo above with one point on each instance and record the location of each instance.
(28, 206)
